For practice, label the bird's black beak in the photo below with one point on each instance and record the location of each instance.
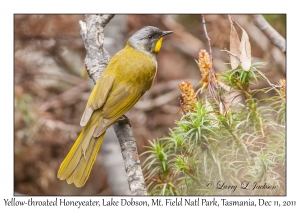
(164, 33)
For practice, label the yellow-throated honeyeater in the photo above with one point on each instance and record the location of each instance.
(129, 74)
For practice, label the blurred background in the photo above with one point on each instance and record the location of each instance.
(52, 87)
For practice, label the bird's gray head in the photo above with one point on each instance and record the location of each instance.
(148, 39)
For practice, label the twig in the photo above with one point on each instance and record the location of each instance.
(181, 106)
(92, 32)
(208, 40)
(281, 126)
(225, 50)
(271, 84)
(212, 86)
(269, 31)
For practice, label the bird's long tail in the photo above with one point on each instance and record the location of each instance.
(77, 166)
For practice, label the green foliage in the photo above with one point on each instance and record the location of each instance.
(210, 151)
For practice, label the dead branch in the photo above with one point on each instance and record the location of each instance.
(271, 84)
(230, 53)
(269, 31)
(97, 58)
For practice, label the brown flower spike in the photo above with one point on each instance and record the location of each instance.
(204, 66)
(189, 97)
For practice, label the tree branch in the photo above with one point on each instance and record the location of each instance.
(92, 33)
(269, 31)
(96, 60)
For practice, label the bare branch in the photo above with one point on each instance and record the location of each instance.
(208, 40)
(96, 60)
(269, 31)
(271, 84)
(225, 50)
(92, 33)
(131, 158)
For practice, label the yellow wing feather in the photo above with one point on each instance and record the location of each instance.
(77, 165)
(98, 96)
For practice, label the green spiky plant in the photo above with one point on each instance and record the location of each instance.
(235, 146)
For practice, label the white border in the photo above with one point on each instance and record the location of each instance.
(152, 6)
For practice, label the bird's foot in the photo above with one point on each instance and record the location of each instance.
(124, 119)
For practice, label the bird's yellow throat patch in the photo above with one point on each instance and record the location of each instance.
(158, 45)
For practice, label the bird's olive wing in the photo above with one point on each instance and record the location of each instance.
(119, 101)
(97, 97)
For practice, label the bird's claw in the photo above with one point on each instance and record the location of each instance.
(124, 119)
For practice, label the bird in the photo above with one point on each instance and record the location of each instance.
(128, 75)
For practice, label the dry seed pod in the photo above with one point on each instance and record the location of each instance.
(235, 44)
(244, 53)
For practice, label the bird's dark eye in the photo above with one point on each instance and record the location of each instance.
(150, 37)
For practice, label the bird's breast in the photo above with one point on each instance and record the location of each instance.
(137, 68)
